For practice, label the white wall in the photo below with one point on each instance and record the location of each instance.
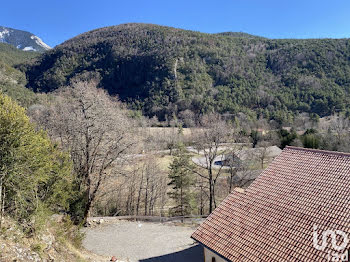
(208, 255)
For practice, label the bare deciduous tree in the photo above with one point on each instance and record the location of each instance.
(142, 191)
(339, 126)
(153, 187)
(94, 128)
(213, 133)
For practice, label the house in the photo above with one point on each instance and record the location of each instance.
(236, 158)
(254, 154)
(298, 209)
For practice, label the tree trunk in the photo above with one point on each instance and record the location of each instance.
(181, 203)
(2, 205)
(202, 204)
(211, 189)
(87, 210)
(210, 197)
(139, 195)
(214, 201)
(146, 198)
(1, 215)
(88, 205)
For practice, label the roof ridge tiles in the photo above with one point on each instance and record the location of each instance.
(326, 152)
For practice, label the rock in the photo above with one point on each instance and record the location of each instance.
(101, 221)
(51, 258)
(57, 218)
(48, 239)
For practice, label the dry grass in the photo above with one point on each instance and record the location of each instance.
(48, 246)
(164, 162)
(166, 131)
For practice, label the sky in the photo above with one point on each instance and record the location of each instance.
(58, 20)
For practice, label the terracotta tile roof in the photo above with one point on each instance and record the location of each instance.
(274, 219)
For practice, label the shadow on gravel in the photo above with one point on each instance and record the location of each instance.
(192, 254)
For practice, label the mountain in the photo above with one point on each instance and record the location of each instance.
(22, 40)
(167, 72)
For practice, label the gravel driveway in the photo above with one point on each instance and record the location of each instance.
(143, 241)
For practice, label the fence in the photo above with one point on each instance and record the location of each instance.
(158, 219)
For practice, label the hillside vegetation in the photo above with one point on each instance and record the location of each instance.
(165, 71)
(12, 81)
(12, 56)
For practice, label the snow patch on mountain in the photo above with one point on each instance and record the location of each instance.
(29, 48)
(40, 42)
(22, 40)
(4, 33)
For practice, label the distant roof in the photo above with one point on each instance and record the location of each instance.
(269, 152)
(274, 218)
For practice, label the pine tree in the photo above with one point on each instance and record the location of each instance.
(180, 180)
(34, 174)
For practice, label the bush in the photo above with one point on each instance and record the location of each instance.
(35, 177)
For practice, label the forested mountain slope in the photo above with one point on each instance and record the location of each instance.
(11, 55)
(165, 71)
(12, 81)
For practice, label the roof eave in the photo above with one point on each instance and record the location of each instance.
(215, 252)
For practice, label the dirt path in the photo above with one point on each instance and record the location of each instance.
(142, 241)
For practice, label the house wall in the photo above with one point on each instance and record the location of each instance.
(208, 256)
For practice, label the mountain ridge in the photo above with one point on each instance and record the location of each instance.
(22, 40)
(239, 34)
(165, 71)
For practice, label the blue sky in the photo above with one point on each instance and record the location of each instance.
(58, 20)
